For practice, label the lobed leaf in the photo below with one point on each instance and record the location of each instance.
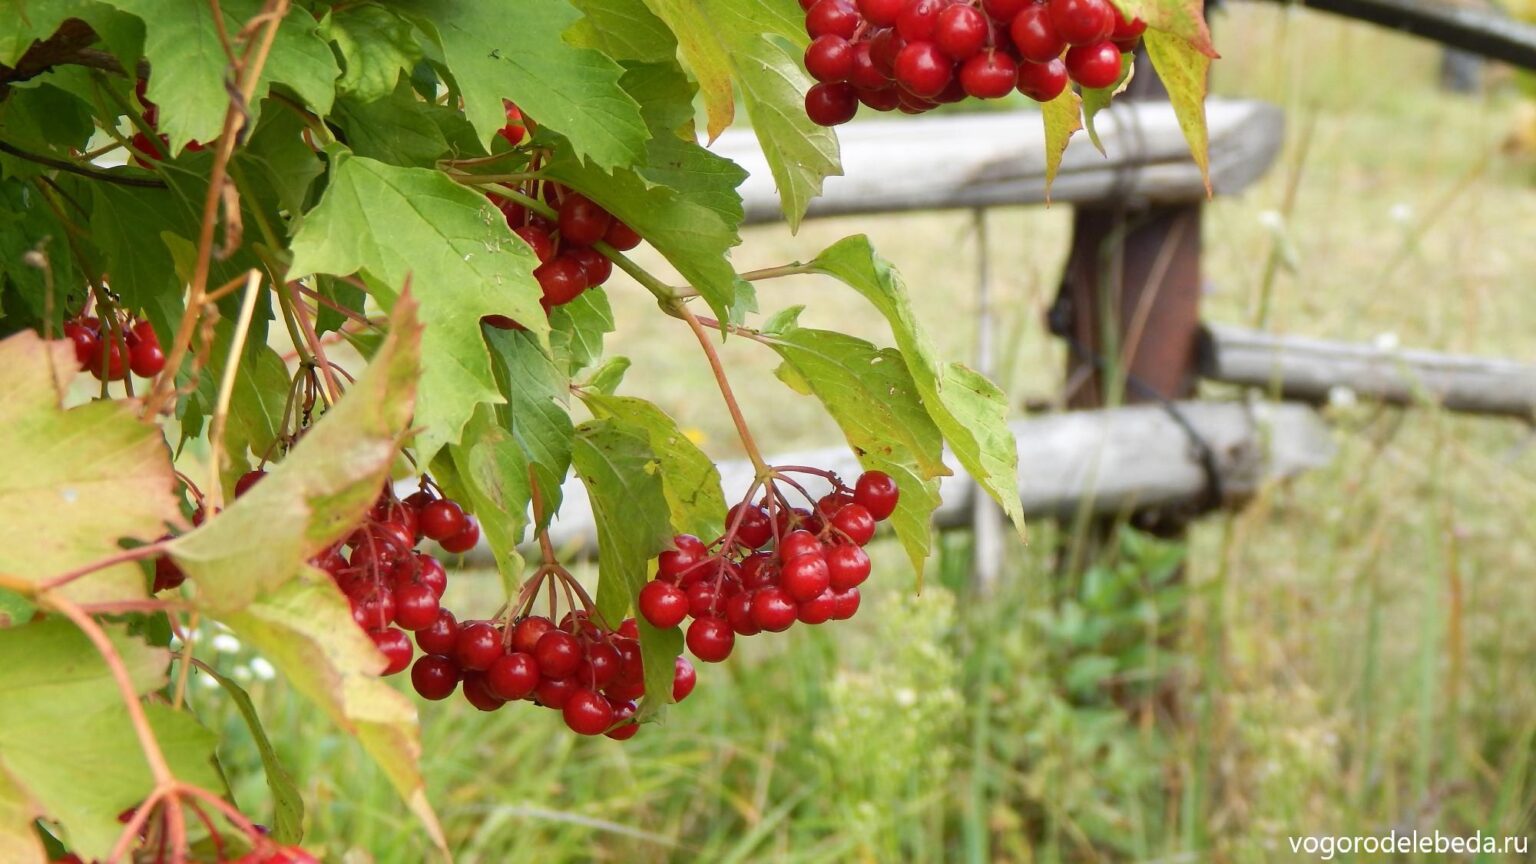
(689, 480)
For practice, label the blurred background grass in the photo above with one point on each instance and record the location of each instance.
(1354, 653)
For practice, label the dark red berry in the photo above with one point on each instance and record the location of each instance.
(167, 574)
(832, 18)
(374, 609)
(686, 552)
(818, 609)
(876, 492)
(477, 646)
(587, 713)
(621, 236)
(804, 577)
(1094, 66)
(434, 677)
(593, 263)
(1043, 82)
(829, 58)
(868, 80)
(918, 20)
(562, 280)
(1004, 10)
(855, 522)
(558, 654)
(989, 76)
(441, 519)
(848, 566)
(146, 359)
(831, 104)
(430, 572)
(738, 611)
(683, 678)
(1126, 30)
(710, 639)
(884, 45)
(396, 647)
(1035, 36)
(538, 240)
(758, 570)
(554, 692)
(663, 604)
(881, 13)
(247, 480)
(477, 691)
(797, 543)
(1082, 22)
(846, 604)
(754, 529)
(923, 69)
(110, 362)
(773, 610)
(512, 676)
(87, 344)
(961, 31)
(622, 730)
(464, 540)
(416, 607)
(582, 220)
(527, 632)
(441, 635)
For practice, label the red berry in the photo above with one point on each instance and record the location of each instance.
(464, 540)
(711, 639)
(441, 519)
(441, 635)
(538, 240)
(758, 570)
(1094, 66)
(1043, 82)
(599, 668)
(818, 609)
(866, 77)
(773, 610)
(1082, 22)
(587, 713)
(582, 220)
(477, 646)
(846, 604)
(797, 543)
(829, 58)
(628, 629)
(883, 99)
(1035, 36)
(593, 263)
(396, 647)
(918, 20)
(110, 362)
(562, 280)
(478, 692)
(753, 529)
(831, 104)
(923, 69)
(884, 45)
(804, 577)
(881, 13)
(247, 480)
(848, 566)
(832, 18)
(87, 344)
(146, 359)
(1126, 30)
(555, 692)
(434, 677)
(989, 76)
(514, 131)
(876, 492)
(663, 604)
(374, 609)
(855, 522)
(683, 678)
(687, 551)
(527, 632)
(621, 236)
(167, 574)
(430, 572)
(738, 611)
(416, 607)
(512, 676)
(623, 731)
(558, 654)
(961, 31)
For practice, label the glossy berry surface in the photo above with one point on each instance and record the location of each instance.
(1082, 22)
(923, 69)
(512, 676)
(989, 76)
(1035, 36)
(587, 713)
(1094, 66)
(477, 646)
(1043, 82)
(558, 654)
(710, 639)
(961, 31)
(831, 104)
(877, 493)
(663, 604)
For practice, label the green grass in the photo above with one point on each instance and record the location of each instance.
(1357, 646)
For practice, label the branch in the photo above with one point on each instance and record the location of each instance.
(1479, 31)
(72, 168)
(69, 45)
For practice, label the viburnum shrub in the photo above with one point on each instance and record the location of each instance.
(293, 319)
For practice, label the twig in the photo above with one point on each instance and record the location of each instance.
(317, 350)
(227, 390)
(137, 553)
(705, 342)
(81, 170)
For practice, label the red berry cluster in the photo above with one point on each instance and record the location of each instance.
(110, 352)
(914, 55)
(386, 580)
(159, 147)
(568, 263)
(811, 575)
(592, 675)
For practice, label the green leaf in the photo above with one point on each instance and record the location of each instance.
(18, 840)
(496, 55)
(182, 44)
(606, 378)
(1185, 71)
(1097, 99)
(38, 19)
(316, 495)
(537, 391)
(689, 479)
(45, 120)
(287, 803)
(624, 30)
(871, 395)
(376, 45)
(279, 165)
(707, 58)
(305, 628)
(629, 506)
(970, 410)
(1063, 117)
(14, 609)
(493, 469)
(397, 129)
(460, 258)
(64, 720)
(577, 328)
(659, 650)
(27, 224)
(73, 483)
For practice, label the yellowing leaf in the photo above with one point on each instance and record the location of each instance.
(1185, 71)
(74, 482)
(1182, 18)
(1063, 118)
